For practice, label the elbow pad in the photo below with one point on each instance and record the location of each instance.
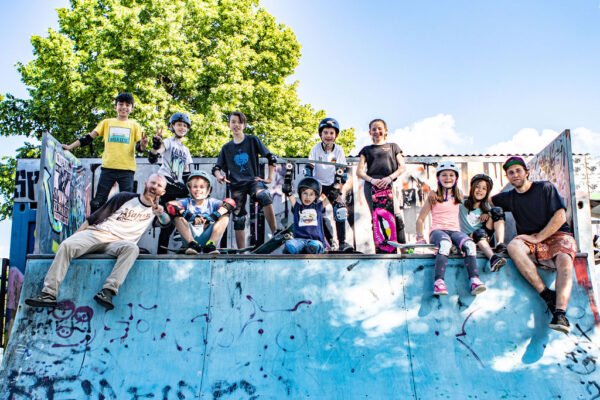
(272, 159)
(152, 158)
(228, 204)
(214, 169)
(86, 140)
(185, 176)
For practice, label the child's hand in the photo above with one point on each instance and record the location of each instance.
(198, 220)
(259, 179)
(484, 217)
(143, 141)
(421, 241)
(157, 139)
(221, 178)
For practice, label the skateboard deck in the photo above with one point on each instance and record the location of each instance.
(275, 242)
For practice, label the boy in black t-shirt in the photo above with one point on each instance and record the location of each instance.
(543, 237)
(238, 165)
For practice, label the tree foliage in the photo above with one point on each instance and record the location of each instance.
(203, 57)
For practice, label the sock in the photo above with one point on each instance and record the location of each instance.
(547, 294)
(559, 311)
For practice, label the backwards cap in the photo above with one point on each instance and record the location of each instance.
(514, 161)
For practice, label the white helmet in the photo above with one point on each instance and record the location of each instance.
(446, 166)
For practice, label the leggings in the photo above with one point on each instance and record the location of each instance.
(444, 240)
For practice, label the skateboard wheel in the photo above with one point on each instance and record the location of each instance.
(287, 236)
(289, 166)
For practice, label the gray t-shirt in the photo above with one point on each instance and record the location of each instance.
(174, 159)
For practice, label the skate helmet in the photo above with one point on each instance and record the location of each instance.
(179, 117)
(446, 166)
(204, 175)
(310, 183)
(483, 177)
(329, 123)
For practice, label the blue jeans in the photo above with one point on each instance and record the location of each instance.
(108, 177)
(203, 238)
(303, 246)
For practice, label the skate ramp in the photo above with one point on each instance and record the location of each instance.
(298, 328)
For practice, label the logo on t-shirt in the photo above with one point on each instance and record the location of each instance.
(241, 159)
(308, 217)
(118, 134)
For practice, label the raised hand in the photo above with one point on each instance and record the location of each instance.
(143, 141)
(157, 209)
(157, 139)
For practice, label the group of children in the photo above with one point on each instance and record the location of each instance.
(202, 220)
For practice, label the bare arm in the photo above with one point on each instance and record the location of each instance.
(83, 226)
(292, 200)
(360, 170)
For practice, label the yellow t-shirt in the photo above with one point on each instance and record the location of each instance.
(120, 138)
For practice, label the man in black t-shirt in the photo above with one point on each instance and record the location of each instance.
(543, 237)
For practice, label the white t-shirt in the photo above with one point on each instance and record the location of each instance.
(174, 159)
(326, 173)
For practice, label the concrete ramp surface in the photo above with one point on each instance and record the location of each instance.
(292, 328)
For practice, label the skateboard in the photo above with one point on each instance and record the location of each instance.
(384, 221)
(410, 247)
(275, 242)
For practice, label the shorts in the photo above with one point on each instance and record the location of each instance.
(543, 253)
(240, 194)
(201, 237)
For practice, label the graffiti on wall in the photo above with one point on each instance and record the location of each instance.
(554, 164)
(64, 198)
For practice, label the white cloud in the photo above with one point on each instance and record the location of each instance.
(432, 135)
(529, 140)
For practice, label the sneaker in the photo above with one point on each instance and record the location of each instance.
(104, 298)
(560, 322)
(500, 248)
(210, 248)
(276, 232)
(193, 248)
(439, 288)
(42, 300)
(496, 263)
(477, 286)
(346, 248)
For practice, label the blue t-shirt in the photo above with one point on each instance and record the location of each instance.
(469, 220)
(308, 221)
(207, 207)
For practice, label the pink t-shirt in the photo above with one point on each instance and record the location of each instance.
(444, 216)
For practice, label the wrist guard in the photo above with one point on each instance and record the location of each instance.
(185, 176)
(156, 142)
(138, 148)
(175, 210)
(271, 158)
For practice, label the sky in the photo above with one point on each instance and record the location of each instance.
(458, 77)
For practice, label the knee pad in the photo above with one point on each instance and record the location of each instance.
(264, 198)
(314, 247)
(469, 247)
(497, 214)
(239, 222)
(445, 247)
(479, 235)
(340, 212)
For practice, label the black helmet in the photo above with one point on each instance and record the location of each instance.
(180, 117)
(310, 183)
(329, 123)
(484, 177)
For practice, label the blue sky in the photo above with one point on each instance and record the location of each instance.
(460, 76)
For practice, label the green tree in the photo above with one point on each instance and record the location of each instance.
(203, 57)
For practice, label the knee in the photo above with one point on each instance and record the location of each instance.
(445, 247)
(289, 248)
(479, 235)
(515, 247)
(130, 249)
(563, 261)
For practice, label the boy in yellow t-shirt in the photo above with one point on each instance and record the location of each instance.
(122, 137)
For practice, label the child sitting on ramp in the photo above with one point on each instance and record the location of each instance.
(308, 219)
(200, 219)
(444, 205)
(480, 220)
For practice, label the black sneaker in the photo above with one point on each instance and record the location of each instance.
(500, 248)
(104, 298)
(496, 263)
(193, 248)
(560, 322)
(210, 248)
(346, 248)
(42, 300)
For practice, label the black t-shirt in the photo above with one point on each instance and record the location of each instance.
(534, 208)
(240, 160)
(381, 159)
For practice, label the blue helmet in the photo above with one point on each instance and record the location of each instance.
(204, 175)
(329, 123)
(180, 117)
